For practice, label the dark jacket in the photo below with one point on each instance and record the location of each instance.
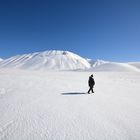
(91, 81)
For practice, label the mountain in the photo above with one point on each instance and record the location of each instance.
(96, 63)
(50, 60)
(114, 66)
(101, 65)
(64, 60)
(1, 59)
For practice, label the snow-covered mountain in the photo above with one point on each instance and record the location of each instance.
(114, 66)
(1, 59)
(64, 60)
(50, 60)
(101, 65)
(96, 63)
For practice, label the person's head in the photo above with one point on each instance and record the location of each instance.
(91, 75)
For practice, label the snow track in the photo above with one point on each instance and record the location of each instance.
(52, 106)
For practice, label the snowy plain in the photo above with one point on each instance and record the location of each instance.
(37, 105)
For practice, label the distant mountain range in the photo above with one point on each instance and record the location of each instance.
(64, 60)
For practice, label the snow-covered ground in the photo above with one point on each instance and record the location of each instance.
(136, 64)
(38, 105)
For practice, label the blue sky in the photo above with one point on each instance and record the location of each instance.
(97, 29)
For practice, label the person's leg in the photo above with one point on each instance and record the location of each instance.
(89, 89)
(92, 90)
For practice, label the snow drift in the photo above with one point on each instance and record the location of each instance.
(1, 59)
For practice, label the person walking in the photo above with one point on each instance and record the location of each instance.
(91, 84)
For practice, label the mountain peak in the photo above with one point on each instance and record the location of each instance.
(47, 60)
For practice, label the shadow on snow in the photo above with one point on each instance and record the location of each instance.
(73, 93)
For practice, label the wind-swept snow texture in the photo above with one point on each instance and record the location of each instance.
(54, 106)
(50, 60)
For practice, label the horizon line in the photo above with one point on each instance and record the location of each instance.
(71, 52)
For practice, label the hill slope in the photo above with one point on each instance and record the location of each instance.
(50, 60)
(136, 64)
(97, 62)
(112, 66)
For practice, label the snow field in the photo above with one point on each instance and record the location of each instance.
(52, 105)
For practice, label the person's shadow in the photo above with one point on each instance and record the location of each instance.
(73, 93)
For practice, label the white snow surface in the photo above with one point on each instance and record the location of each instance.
(38, 105)
(136, 64)
(115, 66)
(1, 59)
(47, 60)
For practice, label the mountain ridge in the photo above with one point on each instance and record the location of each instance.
(53, 60)
(64, 60)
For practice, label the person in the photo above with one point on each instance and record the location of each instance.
(91, 84)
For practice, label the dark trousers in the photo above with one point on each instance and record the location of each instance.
(91, 89)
